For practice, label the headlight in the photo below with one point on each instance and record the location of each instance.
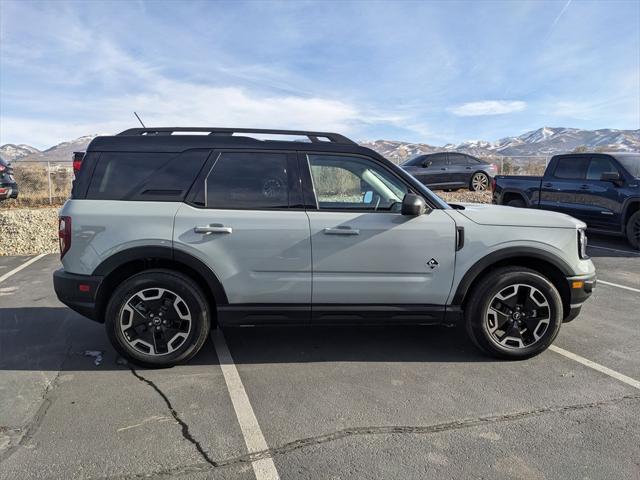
(582, 244)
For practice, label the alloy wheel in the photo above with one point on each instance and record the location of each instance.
(517, 316)
(479, 182)
(155, 321)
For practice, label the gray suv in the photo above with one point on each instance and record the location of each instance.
(166, 236)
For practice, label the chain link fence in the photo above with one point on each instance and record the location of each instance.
(49, 183)
(41, 183)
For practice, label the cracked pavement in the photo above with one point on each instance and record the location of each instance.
(406, 402)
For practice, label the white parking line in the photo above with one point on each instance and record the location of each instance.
(618, 285)
(20, 267)
(596, 366)
(628, 252)
(264, 468)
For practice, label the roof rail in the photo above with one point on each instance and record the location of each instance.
(314, 137)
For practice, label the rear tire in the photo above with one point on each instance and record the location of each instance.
(479, 182)
(516, 202)
(513, 313)
(157, 318)
(633, 230)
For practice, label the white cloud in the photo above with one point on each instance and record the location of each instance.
(488, 107)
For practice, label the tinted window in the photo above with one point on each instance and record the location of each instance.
(472, 160)
(457, 159)
(437, 159)
(415, 162)
(143, 176)
(354, 183)
(571, 167)
(248, 181)
(598, 166)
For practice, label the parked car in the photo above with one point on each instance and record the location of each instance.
(8, 185)
(451, 171)
(601, 189)
(226, 230)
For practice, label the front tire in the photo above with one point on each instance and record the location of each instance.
(513, 313)
(157, 318)
(633, 230)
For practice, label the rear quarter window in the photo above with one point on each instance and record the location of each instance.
(145, 176)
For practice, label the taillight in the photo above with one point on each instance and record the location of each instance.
(77, 161)
(64, 235)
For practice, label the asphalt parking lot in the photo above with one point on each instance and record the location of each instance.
(321, 403)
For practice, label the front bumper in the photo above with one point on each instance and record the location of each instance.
(580, 288)
(78, 292)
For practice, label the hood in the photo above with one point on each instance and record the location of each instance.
(517, 217)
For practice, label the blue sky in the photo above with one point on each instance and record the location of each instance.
(433, 72)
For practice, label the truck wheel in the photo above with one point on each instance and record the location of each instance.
(513, 313)
(516, 202)
(157, 318)
(479, 182)
(633, 230)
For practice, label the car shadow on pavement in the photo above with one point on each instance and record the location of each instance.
(52, 339)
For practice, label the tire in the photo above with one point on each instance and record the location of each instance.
(158, 318)
(516, 202)
(633, 230)
(518, 337)
(479, 182)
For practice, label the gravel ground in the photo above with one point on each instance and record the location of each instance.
(28, 231)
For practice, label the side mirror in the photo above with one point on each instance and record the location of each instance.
(613, 177)
(413, 205)
(426, 163)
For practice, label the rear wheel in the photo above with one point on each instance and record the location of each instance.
(513, 313)
(157, 318)
(479, 182)
(633, 230)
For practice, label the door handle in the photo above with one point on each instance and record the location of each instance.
(584, 187)
(341, 231)
(547, 185)
(213, 228)
(442, 168)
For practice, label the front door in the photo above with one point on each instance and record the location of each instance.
(363, 250)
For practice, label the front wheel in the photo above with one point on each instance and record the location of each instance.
(513, 313)
(633, 230)
(157, 318)
(479, 182)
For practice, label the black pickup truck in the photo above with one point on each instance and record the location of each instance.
(601, 189)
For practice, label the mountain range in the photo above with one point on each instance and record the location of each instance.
(544, 141)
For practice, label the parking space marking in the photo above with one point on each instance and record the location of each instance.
(264, 468)
(596, 366)
(21, 266)
(618, 285)
(635, 254)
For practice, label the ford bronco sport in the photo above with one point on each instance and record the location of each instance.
(170, 232)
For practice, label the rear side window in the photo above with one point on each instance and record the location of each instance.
(248, 180)
(571, 167)
(458, 159)
(437, 160)
(145, 176)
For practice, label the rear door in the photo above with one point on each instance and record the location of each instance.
(563, 190)
(459, 170)
(603, 198)
(364, 251)
(244, 219)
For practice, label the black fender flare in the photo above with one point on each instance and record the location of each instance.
(165, 253)
(511, 252)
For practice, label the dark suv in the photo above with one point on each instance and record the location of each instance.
(8, 186)
(451, 171)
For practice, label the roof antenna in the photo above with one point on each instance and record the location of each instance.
(138, 117)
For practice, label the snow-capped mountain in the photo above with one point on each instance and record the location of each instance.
(541, 142)
(11, 152)
(58, 153)
(544, 141)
